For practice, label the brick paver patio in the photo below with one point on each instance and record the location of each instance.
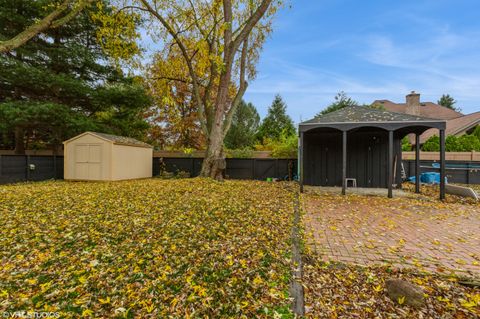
(367, 230)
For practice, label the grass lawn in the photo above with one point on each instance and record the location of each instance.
(149, 248)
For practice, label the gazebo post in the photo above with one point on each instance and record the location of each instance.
(344, 162)
(300, 162)
(417, 163)
(390, 164)
(442, 164)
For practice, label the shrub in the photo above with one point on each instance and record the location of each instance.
(468, 143)
(432, 144)
(406, 146)
(239, 153)
(464, 143)
(285, 147)
(476, 132)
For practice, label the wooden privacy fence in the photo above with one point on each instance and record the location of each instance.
(237, 168)
(18, 168)
(449, 156)
(427, 156)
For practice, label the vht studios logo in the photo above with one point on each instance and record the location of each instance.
(30, 314)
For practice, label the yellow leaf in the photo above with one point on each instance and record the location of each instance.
(257, 280)
(401, 300)
(469, 304)
(87, 313)
(150, 308)
(104, 301)
(460, 261)
(32, 281)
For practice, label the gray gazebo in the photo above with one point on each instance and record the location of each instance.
(363, 144)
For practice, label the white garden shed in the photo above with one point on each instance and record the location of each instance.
(95, 156)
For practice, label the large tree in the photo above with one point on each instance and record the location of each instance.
(449, 102)
(59, 84)
(277, 123)
(244, 127)
(219, 42)
(54, 14)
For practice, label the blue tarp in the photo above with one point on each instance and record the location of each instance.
(428, 178)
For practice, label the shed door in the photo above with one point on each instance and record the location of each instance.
(88, 161)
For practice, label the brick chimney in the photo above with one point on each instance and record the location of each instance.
(413, 103)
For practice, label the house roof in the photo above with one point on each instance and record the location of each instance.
(115, 139)
(456, 126)
(357, 116)
(427, 109)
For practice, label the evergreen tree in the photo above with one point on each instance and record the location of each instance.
(449, 102)
(60, 83)
(277, 123)
(244, 127)
(341, 101)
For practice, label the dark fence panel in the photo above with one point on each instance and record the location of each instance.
(15, 168)
(21, 168)
(457, 172)
(237, 168)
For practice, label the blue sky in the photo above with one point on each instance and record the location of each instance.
(371, 50)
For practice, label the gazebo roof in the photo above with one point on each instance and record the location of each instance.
(361, 116)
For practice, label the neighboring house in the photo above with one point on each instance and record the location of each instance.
(457, 123)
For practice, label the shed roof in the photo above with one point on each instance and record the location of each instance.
(357, 116)
(115, 139)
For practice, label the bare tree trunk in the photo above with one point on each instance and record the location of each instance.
(214, 161)
(19, 141)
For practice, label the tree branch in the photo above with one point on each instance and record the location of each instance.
(49, 21)
(251, 22)
(34, 29)
(72, 14)
(170, 79)
(227, 13)
(241, 89)
(191, 70)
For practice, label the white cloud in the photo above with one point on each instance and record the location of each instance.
(435, 61)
